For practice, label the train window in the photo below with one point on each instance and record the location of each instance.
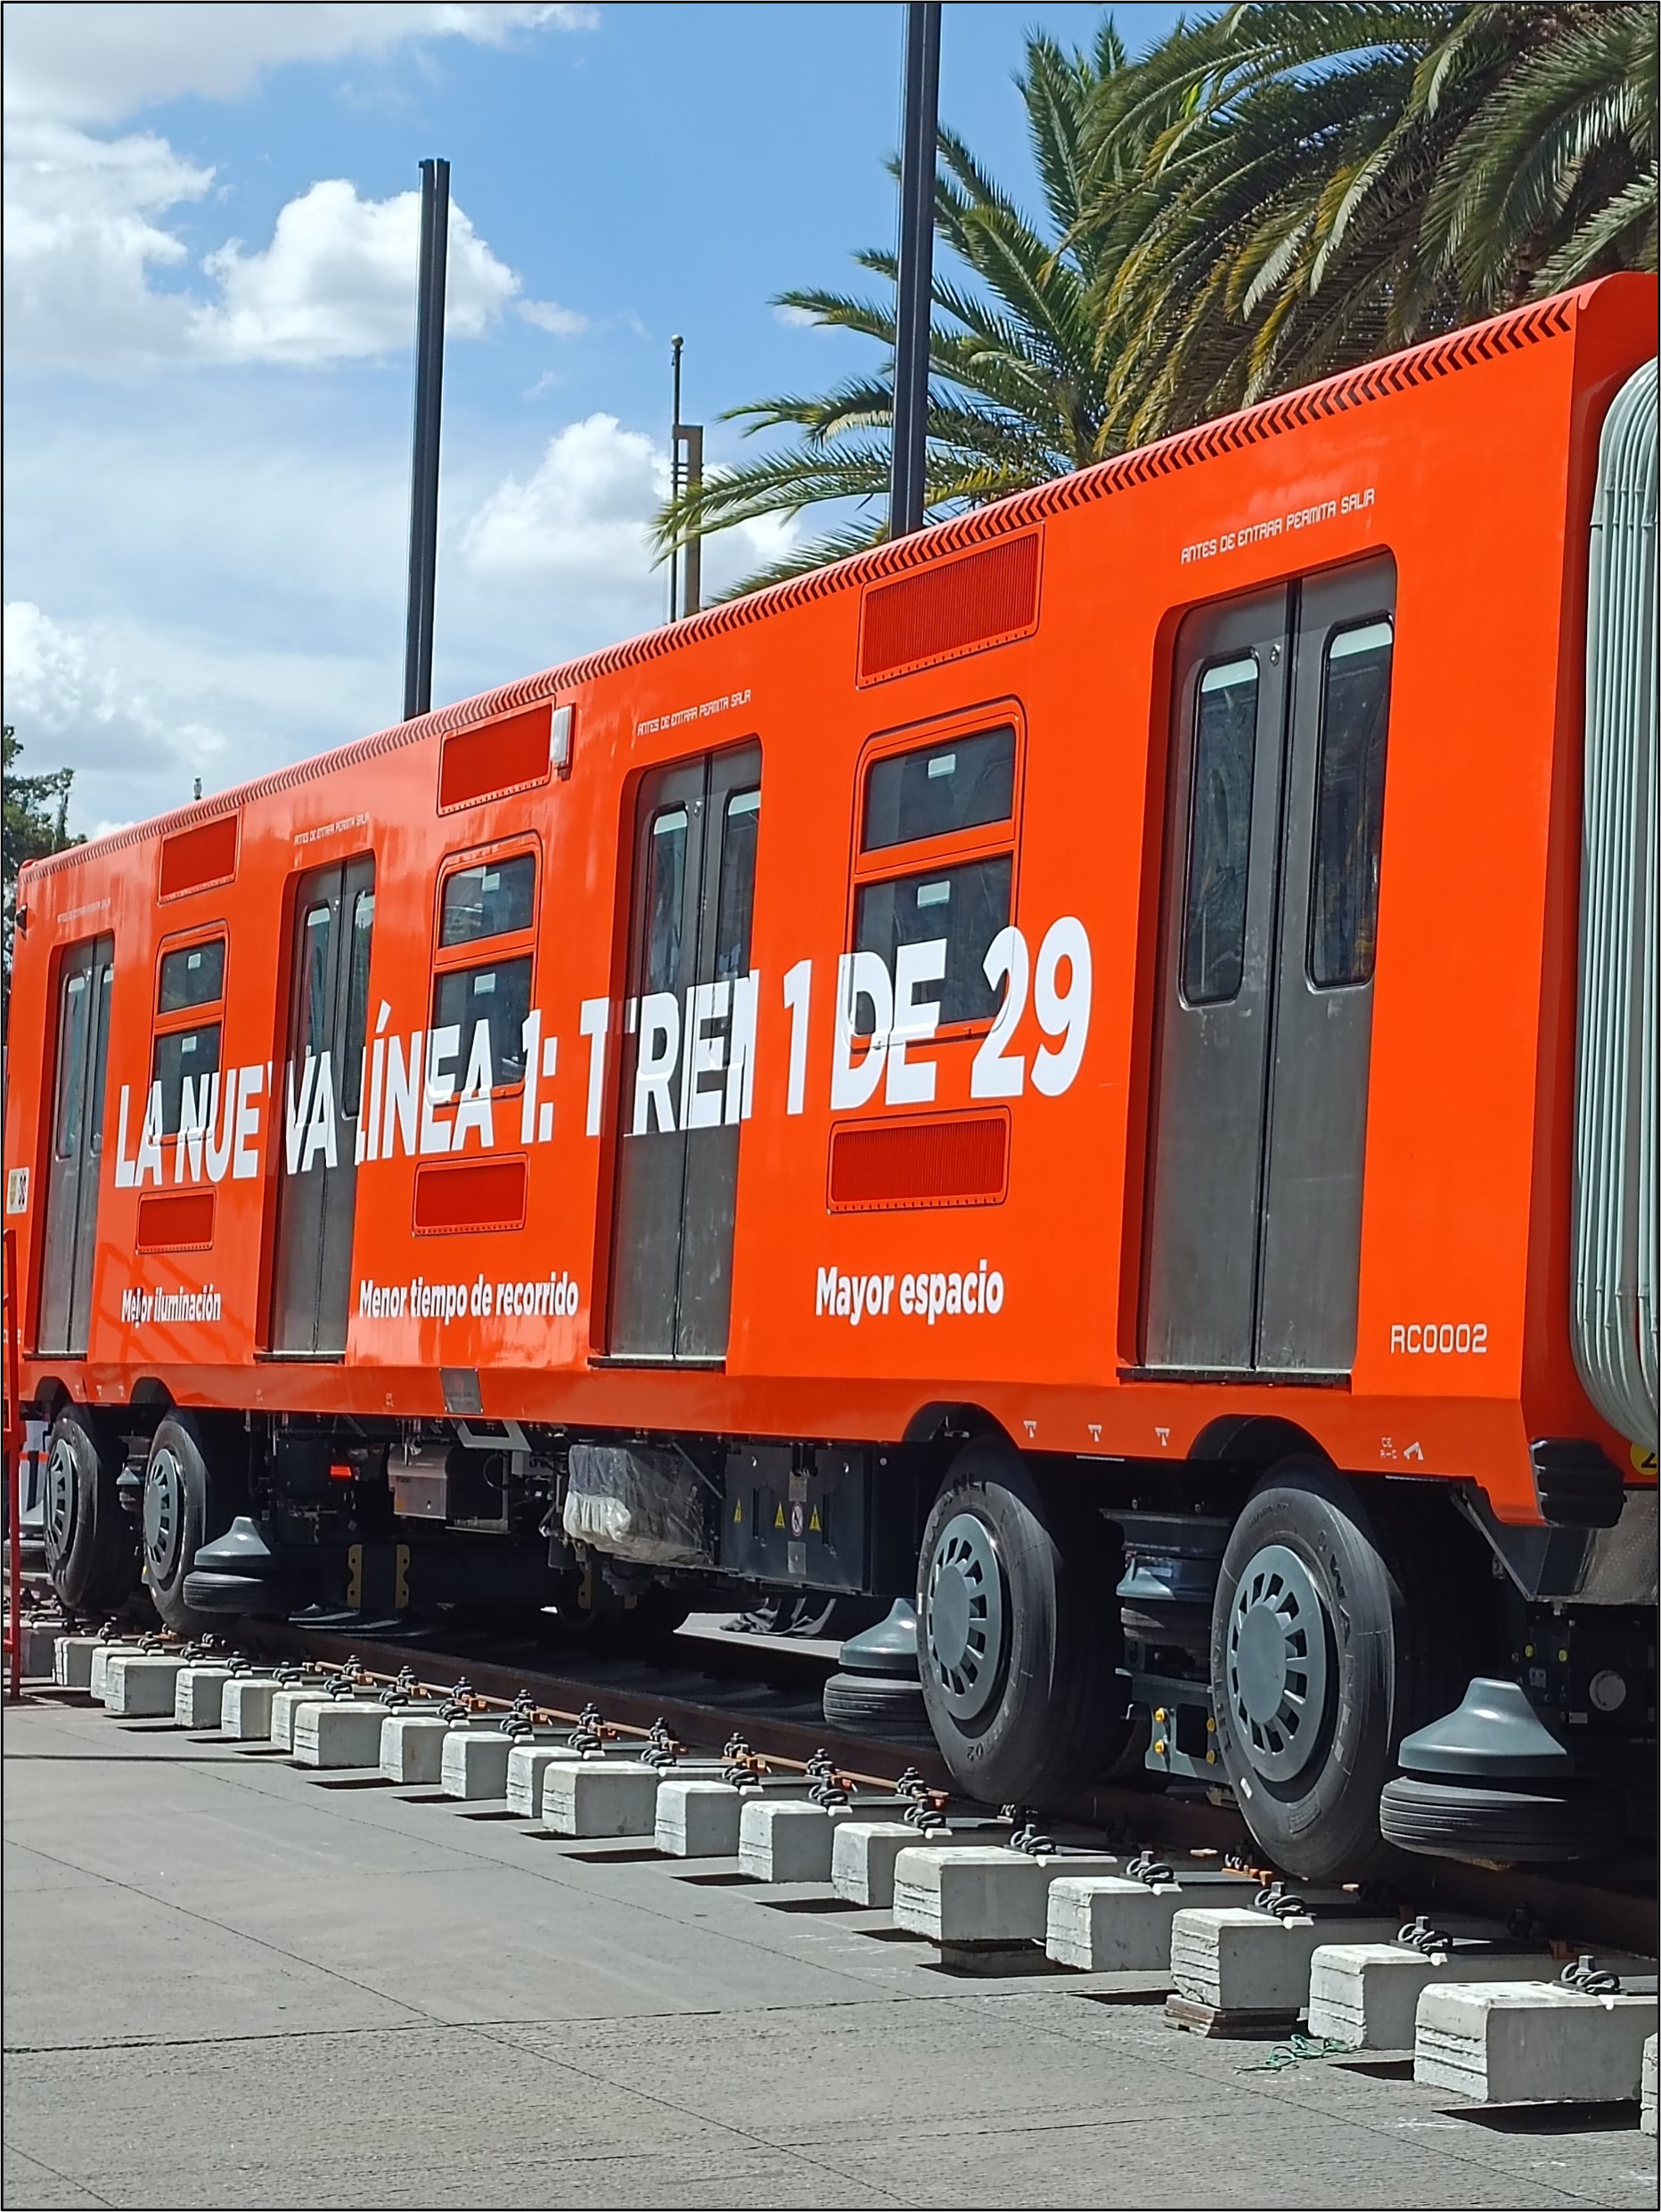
(73, 1041)
(357, 1004)
(492, 899)
(193, 975)
(736, 899)
(1219, 834)
(103, 986)
(496, 998)
(937, 789)
(184, 1055)
(312, 1029)
(1349, 805)
(966, 906)
(666, 899)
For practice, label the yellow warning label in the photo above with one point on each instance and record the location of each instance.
(815, 1524)
(778, 1518)
(738, 1510)
(1644, 1459)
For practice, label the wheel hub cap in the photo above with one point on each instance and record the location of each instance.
(965, 1607)
(1277, 1663)
(62, 1487)
(164, 1514)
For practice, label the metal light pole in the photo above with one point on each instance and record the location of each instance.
(435, 232)
(919, 134)
(686, 562)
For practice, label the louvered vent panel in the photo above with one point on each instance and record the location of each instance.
(887, 1164)
(504, 756)
(195, 858)
(959, 606)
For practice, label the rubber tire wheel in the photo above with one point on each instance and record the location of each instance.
(857, 1702)
(1536, 1823)
(1396, 1659)
(99, 1570)
(1057, 1720)
(207, 1514)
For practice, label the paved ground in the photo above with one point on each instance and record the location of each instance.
(228, 1984)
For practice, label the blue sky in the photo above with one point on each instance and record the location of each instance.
(208, 316)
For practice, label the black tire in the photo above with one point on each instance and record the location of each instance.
(91, 1545)
(1035, 1712)
(857, 1702)
(1383, 1657)
(1538, 1822)
(186, 1504)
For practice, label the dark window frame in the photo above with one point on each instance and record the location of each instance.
(474, 954)
(205, 1014)
(1381, 618)
(1191, 814)
(933, 856)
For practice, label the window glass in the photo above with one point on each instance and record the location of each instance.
(489, 901)
(966, 906)
(357, 1004)
(498, 997)
(72, 1062)
(1219, 832)
(1349, 806)
(184, 1055)
(666, 900)
(101, 1058)
(736, 900)
(194, 975)
(939, 789)
(312, 1029)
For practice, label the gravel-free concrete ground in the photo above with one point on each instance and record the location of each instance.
(227, 1982)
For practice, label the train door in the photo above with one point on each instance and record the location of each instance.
(319, 1101)
(84, 981)
(685, 1063)
(1273, 842)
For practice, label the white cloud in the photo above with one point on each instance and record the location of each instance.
(543, 314)
(337, 282)
(796, 318)
(96, 64)
(584, 512)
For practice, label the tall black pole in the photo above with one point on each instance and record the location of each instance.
(435, 233)
(675, 472)
(917, 138)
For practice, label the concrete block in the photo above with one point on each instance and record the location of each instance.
(863, 1854)
(788, 1839)
(39, 1640)
(526, 1765)
(601, 1797)
(699, 1814)
(72, 1661)
(345, 1732)
(1107, 1924)
(140, 1684)
(1646, 2089)
(411, 1744)
(475, 1762)
(981, 1894)
(1366, 1994)
(1237, 1959)
(98, 1677)
(199, 1693)
(289, 1699)
(1532, 2042)
(245, 1708)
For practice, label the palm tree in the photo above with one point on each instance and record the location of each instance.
(1326, 183)
(1018, 375)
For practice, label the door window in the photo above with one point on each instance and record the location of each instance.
(1349, 805)
(1219, 832)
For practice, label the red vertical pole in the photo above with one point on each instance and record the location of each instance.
(14, 1434)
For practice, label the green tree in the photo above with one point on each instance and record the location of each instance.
(1336, 181)
(37, 823)
(1018, 375)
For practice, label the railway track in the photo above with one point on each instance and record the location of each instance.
(707, 1692)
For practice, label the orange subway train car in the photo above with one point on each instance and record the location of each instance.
(1091, 1069)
